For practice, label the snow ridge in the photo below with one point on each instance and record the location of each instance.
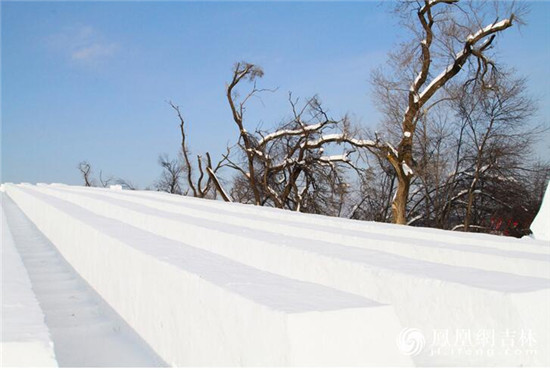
(264, 264)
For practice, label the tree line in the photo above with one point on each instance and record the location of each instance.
(454, 149)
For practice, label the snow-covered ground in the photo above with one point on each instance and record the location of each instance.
(25, 337)
(85, 331)
(205, 282)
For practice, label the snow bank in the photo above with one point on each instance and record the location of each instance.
(340, 225)
(25, 337)
(195, 307)
(212, 216)
(541, 225)
(476, 288)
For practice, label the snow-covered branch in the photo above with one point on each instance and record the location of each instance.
(339, 138)
(286, 132)
(453, 68)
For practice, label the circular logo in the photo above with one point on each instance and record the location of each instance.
(410, 341)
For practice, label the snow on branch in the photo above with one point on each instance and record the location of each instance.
(335, 158)
(460, 58)
(339, 138)
(259, 153)
(392, 150)
(406, 169)
(300, 131)
(490, 29)
(218, 185)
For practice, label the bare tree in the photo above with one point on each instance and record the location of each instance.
(207, 182)
(498, 141)
(475, 169)
(438, 153)
(105, 182)
(300, 164)
(303, 162)
(86, 171)
(126, 184)
(170, 178)
(450, 38)
(376, 189)
(250, 72)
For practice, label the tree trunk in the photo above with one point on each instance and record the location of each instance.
(471, 195)
(218, 185)
(399, 204)
(468, 215)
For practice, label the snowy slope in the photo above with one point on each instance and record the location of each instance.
(86, 333)
(25, 337)
(343, 289)
(541, 225)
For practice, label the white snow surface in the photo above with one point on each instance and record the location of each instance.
(335, 158)
(25, 336)
(339, 137)
(541, 224)
(211, 283)
(195, 307)
(487, 29)
(84, 330)
(406, 169)
(280, 133)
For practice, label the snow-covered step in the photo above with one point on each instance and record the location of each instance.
(26, 339)
(195, 307)
(478, 255)
(84, 330)
(426, 295)
(335, 223)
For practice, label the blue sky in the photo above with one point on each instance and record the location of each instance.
(90, 81)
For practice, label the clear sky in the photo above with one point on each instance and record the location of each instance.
(90, 81)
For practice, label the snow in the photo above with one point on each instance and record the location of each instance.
(335, 158)
(325, 138)
(362, 142)
(258, 153)
(284, 132)
(406, 169)
(287, 162)
(255, 265)
(414, 85)
(25, 337)
(339, 137)
(441, 75)
(84, 330)
(541, 224)
(196, 307)
(224, 193)
(393, 150)
(487, 29)
(484, 168)
(471, 39)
